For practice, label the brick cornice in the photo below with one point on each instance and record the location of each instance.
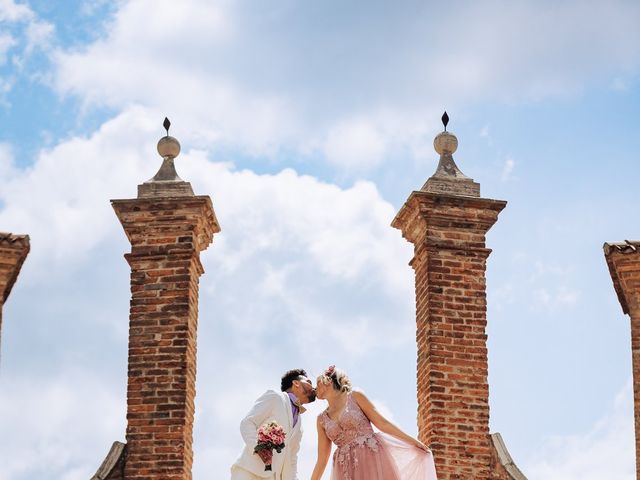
(423, 213)
(149, 221)
(623, 259)
(13, 240)
(167, 235)
(13, 252)
(450, 254)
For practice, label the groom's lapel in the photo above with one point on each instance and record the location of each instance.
(288, 410)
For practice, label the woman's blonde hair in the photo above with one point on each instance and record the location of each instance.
(337, 378)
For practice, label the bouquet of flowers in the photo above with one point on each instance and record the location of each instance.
(270, 437)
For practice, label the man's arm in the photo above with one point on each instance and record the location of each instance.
(261, 411)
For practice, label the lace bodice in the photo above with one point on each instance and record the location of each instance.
(353, 426)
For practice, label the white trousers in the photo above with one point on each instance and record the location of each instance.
(238, 473)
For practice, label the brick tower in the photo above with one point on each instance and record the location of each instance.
(13, 252)
(623, 260)
(447, 221)
(168, 226)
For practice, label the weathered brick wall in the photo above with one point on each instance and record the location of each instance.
(623, 260)
(448, 234)
(13, 252)
(166, 236)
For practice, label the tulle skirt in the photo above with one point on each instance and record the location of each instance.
(382, 457)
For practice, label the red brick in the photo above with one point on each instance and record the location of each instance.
(13, 252)
(449, 261)
(167, 235)
(624, 267)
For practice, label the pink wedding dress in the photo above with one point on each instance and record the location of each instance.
(363, 454)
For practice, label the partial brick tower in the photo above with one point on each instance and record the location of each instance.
(168, 226)
(623, 259)
(447, 221)
(13, 252)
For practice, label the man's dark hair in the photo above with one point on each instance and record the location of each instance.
(289, 377)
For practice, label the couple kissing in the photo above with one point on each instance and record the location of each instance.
(361, 453)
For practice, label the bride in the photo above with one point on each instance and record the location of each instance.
(361, 453)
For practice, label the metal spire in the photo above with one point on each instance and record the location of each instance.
(445, 120)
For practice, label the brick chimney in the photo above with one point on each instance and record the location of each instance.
(13, 251)
(447, 221)
(623, 260)
(168, 226)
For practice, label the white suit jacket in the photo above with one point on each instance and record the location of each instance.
(270, 406)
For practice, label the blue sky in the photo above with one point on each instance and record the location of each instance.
(309, 125)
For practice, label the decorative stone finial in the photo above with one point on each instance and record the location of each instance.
(168, 147)
(166, 182)
(448, 179)
(445, 142)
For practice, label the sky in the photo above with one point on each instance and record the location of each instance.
(309, 124)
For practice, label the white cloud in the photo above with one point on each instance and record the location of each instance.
(542, 55)
(28, 33)
(562, 296)
(540, 284)
(54, 423)
(303, 270)
(485, 133)
(39, 34)
(507, 169)
(349, 237)
(172, 55)
(607, 450)
(337, 289)
(553, 285)
(6, 43)
(355, 145)
(70, 213)
(620, 84)
(11, 11)
(232, 76)
(7, 167)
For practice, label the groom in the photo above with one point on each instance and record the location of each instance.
(285, 408)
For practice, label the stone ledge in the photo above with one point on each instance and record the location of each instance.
(12, 239)
(112, 467)
(504, 458)
(628, 246)
(463, 187)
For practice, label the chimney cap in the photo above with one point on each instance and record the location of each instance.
(166, 182)
(448, 179)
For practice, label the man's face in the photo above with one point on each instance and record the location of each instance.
(304, 390)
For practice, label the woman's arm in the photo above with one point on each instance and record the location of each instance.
(324, 450)
(382, 423)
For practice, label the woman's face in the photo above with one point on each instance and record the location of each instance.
(321, 390)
